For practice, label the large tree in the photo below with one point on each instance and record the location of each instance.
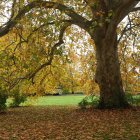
(100, 18)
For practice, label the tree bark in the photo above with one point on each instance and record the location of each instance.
(108, 75)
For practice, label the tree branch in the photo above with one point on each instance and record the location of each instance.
(79, 20)
(30, 76)
(119, 14)
(12, 10)
(129, 26)
(124, 9)
(126, 30)
(135, 9)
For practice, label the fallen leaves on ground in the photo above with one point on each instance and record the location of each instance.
(69, 123)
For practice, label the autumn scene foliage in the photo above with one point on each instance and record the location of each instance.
(69, 69)
(66, 123)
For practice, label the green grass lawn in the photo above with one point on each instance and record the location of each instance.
(63, 100)
(67, 100)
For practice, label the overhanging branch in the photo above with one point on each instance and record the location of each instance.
(30, 76)
(80, 21)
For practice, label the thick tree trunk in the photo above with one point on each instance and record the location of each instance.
(108, 74)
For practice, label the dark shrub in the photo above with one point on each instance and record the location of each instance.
(47, 94)
(133, 99)
(3, 98)
(89, 101)
(79, 93)
(18, 98)
(65, 91)
(129, 98)
(56, 94)
(83, 104)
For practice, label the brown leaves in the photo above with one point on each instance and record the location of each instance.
(65, 123)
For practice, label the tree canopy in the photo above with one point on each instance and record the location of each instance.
(38, 33)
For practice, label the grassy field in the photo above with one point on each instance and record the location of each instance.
(68, 100)
(64, 100)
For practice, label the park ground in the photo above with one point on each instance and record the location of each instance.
(68, 122)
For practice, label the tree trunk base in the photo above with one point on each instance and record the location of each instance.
(121, 105)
